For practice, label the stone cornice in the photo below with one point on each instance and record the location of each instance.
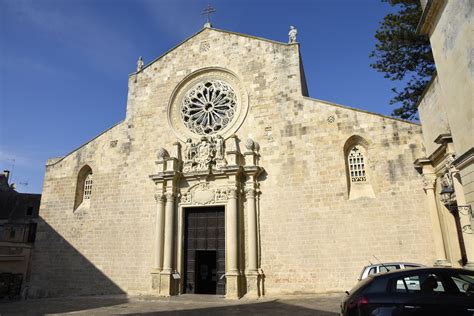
(443, 139)
(465, 159)
(430, 16)
(217, 30)
(53, 161)
(428, 87)
(360, 110)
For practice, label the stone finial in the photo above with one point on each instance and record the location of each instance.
(162, 154)
(176, 152)
(292, 34)
(231, 144)
(250, 144)
(139, 63)
(257, 146)
(251, 155)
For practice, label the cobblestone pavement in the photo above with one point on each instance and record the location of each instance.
(187, 305)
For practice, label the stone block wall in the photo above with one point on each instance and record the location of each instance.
(313, 239)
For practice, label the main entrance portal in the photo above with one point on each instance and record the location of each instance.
(204, 250)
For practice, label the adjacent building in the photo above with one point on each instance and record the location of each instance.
(446, 114)
(18, 219)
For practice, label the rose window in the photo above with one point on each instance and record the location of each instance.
(208, 107)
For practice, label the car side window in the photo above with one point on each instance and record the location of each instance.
(409, 266)
(419, 283)
(386, 268)
(464, 283)
(372, 270)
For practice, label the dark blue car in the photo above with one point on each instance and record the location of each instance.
(413, 292)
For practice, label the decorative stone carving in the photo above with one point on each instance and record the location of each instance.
(203, 197)
(208, 107)
(429, 181)
(159, 197)
(292, 34)
(162, 154)
(256, 146)
(449, 162)
(204, 46)
(207, 102)
(139, 63)
(186, 198)
(207, 154)
(250, 193)
(221, 195)
(249, 144)
(447, 180)
(202, 194)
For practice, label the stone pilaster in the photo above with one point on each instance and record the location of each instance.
(158, 241)
(167, 282)
(429, 180)
(252, 275)
(232, 245)
(464, 218)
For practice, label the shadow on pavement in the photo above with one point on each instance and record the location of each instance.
(58, 305)
(268, 308)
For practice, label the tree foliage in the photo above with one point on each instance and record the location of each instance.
(403, 55)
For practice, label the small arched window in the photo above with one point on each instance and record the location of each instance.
(83, 188)
(356, 163)
(88, 187)
(358, 178)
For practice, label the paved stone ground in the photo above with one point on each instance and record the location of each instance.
(187, 305)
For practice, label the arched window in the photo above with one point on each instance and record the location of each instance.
(83, 188)
(356, 165)
(88, 187)
(357, 171)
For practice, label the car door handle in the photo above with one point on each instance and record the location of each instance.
(411, 307)
(470, 309)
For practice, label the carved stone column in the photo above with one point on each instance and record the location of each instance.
(167, 281)
(429, 180)
(158, 242)
(464, 218)
(232, 245)
(252, 275)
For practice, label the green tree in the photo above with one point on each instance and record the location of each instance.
(403, 55)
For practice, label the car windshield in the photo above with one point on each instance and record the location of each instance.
(464, 283)
(360, 285)
(388, 267)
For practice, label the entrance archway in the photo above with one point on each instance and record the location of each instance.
(204, 250)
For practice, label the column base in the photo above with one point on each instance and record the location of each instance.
(232, 286)
(155, 281)
(442, 263)
(163, 283)
(254, 284)
(469, 265)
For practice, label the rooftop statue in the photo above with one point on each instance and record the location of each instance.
(292, 34)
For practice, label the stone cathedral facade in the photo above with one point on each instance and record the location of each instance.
(225, 177)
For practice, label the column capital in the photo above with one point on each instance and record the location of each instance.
(232, 193)
(250, 193)
(169, 195)
(159, 197)
(429, 181)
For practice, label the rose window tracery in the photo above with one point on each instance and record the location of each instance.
(208, 107)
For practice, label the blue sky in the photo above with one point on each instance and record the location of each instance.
(64, 63)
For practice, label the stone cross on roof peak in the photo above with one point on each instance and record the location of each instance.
(209, 10)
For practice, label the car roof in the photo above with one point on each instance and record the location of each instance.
(421, 269)
(392, 263)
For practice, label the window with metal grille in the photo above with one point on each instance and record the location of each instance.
(88, 187)
(356, 165)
